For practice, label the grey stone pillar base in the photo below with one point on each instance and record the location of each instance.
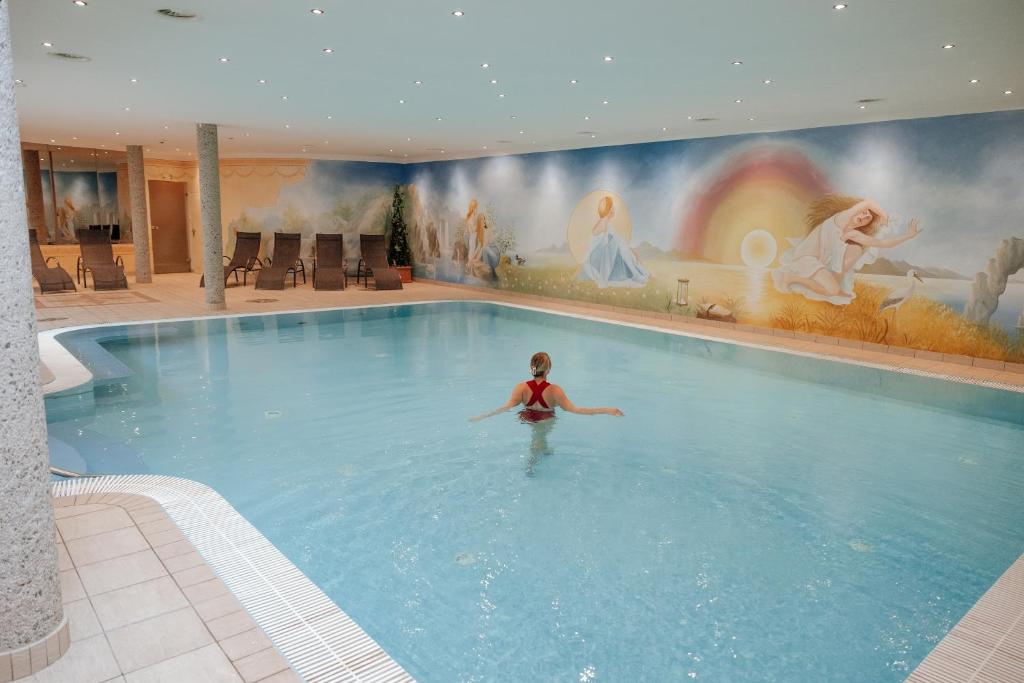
(35, 657)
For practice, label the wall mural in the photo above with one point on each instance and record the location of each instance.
(906, 233)
(84, 198)
(345, 197)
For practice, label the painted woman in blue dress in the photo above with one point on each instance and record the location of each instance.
(609, 261)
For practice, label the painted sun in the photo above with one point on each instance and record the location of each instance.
(758, 249)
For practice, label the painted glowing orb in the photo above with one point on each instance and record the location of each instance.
(758, 249)
(586, 215)
(768, 186)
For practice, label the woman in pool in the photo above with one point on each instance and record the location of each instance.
(609, 261)
(840, 240)
(540, 398)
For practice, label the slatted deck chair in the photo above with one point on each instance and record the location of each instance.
(98, 259)
(329, 264)
(373, 260)
(286, 259)
(54, 279)
(246, 257)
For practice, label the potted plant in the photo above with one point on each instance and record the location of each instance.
(399, 254)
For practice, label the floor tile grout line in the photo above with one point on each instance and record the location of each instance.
(995, 648)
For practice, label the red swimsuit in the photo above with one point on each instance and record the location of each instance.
(529, 414)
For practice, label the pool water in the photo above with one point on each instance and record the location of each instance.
(755, 516)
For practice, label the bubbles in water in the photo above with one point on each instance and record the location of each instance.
(589, 673)
(272, 414)
(465, 559)
(861, 546)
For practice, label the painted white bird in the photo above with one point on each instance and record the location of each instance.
(898, 297)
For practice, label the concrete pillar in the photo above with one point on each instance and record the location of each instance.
(34, 194)
(140, 215)
(209, 208)
(31, 617)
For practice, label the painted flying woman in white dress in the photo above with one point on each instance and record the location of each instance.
(609, 261)
(841, 240)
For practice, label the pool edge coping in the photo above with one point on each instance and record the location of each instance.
(317, 638)
(69, 373)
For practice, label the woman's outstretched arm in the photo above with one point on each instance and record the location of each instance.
(515, 399)
(563, 402)
(868, 241)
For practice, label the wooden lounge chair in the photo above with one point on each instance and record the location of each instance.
(329, 264)
(373, 260)
(98, 258)
(286, 259)
(246, 257)
(54, 279)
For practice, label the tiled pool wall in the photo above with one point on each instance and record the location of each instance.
(976, 398)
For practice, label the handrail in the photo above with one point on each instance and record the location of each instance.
(61, 472)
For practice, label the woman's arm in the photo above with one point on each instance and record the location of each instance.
(515, 399)
(913, 230)
(563, 402)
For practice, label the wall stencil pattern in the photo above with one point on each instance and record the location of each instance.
(875, 232)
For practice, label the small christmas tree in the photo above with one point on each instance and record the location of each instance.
(398, 247)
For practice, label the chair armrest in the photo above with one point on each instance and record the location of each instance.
(52, 258)
(301, 264)
(226, 258)
(119, 262)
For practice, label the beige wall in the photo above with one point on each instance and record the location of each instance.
(245, 183)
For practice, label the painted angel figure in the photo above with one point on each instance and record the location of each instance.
(844, 235)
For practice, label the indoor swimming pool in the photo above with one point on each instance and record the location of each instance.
(754, 516)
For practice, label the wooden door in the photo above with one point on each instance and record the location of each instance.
(167, 207)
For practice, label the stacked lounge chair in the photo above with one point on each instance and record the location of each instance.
(98, 259)
(245, 258)
(329, 264)
(54, 279)
(286, 259)
(373, 261)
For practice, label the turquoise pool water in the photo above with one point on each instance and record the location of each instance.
(755, 516)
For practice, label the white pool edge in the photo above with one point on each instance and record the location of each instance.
(320, 641)
(69, 373)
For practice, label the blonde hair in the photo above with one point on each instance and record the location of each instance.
(604, 207)
(825, 207)
(481, 225)
(472, 208)
(540, 364)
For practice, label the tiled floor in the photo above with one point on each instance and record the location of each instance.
(144, 607)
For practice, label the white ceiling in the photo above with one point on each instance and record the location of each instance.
(672, 60)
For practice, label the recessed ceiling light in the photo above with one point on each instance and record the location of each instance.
(127, 108)
(401, 101)
(521, 132)
(408, 139)
(663, 129)
(53, 141)
(458, 13)
(609, 58)
(863, 106)
(604, 101)
(328, 50)
(391, 150)
(586, 118)
(948, 46)
(73, 137)
(317, 11)
(133, 80)
(738, 101)
(47, 44)
(440, 119)
(284, 97)
(330, 116)
(224, 60)
(485, 65)
(767, 81)
(689, 118)
(737, 63)
(1007, 92)
(18, 81)
(166, 127)
(80, 3)
(418, 82)
(287, 125)
(513, 116)
(494, 81)
(501, 94)
(117, 132)
(485, 146)
(593, 135)
(841, 5)
(973, 81)
(751, 118)
(573, 81)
